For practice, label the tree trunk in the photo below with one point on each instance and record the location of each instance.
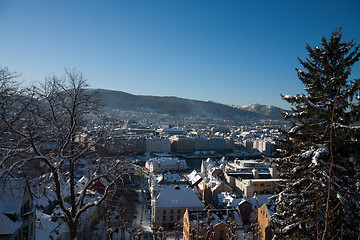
(72, 230)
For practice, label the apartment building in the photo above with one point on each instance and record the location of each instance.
(182, 144)
(250, 177)
(159, 145)
(171, 203)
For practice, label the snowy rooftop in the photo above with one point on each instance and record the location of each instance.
(243, 165)
(215, 216)
(44, 227)
(11, 193)
(214, 184)
(178, 196)
(194, 177)
(264, 180)
(8, 227)
(171, 177)
(166, 161)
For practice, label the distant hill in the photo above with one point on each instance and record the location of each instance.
(178, 107)
(266, 110)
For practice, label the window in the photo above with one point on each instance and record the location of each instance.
(26, 207)
(25, 233)
(268, 184)
(256, 185)
(164, 211)
(262, 184)
(171, 211)
(179, 211)
(178, 217)
(164, 218)
(171, 218)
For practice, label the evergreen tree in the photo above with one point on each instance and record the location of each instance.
(320, 195)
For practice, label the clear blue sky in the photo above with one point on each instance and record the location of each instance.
(231, 51)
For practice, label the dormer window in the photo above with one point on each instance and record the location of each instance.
(12, 216)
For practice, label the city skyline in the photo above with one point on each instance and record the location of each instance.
(230, 52)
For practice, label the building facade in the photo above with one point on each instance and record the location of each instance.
(157, 165)
(264, 217)
(17, 212)
(171, 203)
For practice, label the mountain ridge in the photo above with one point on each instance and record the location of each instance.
(181, 107)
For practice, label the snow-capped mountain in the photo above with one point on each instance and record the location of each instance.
(269, 111)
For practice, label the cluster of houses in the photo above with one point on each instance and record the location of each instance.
(224, 196)
(187, 140)
(28, 211)
(180, 141)
(174, 143)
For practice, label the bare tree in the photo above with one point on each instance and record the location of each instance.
(56, 115)
(231, 230)
(12, 106)
(159, 233)
(9, 92)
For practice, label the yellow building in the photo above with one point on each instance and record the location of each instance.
(186, 226)
(264, 216)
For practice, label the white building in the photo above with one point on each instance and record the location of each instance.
(264, 146)
(170, 131)
(156, 165)
(171, 204)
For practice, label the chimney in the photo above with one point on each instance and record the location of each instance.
(255, 173)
